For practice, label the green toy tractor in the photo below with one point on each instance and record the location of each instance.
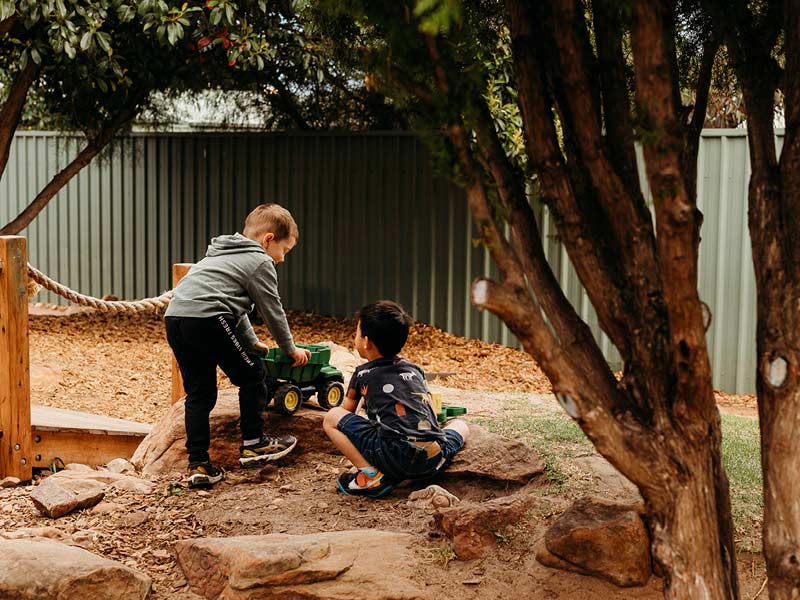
(291, 386)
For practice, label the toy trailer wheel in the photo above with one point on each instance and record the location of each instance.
(330, 395)
(288, 399)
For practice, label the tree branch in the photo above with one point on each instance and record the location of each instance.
(614, 87)
(92, 149)
(616, 434)
(288, 105)
(11, 112)
(677, 218)
(695, 126)
(573, 333)
(546, 159)
(6, 25)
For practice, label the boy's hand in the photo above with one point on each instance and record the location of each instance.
(261, 346)
(301, 356)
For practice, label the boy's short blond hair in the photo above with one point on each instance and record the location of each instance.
(270, 218)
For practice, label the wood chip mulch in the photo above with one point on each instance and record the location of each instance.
(120, 365)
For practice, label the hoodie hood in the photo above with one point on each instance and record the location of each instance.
(233, 244)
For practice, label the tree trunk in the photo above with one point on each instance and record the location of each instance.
(685, 526)
(12, 109)
(92, 149)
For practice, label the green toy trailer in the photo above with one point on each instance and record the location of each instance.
(291, 386)
(448, 412)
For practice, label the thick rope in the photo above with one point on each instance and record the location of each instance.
(117, 306)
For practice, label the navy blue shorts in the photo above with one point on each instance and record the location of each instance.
(399, 458)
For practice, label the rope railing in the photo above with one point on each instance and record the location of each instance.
(117, 306)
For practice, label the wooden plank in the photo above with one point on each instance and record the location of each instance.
(178, 271)
(81, 447)
(49, 418)
(15, 399)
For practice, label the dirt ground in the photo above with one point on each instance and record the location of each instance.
(120, 366)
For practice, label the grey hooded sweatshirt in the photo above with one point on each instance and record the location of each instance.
(235, 275)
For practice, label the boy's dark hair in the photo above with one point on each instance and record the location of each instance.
(386, 324)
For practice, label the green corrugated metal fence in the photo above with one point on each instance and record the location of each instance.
(374, 222)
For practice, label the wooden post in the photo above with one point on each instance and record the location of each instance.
(15, 394)
(178, 271)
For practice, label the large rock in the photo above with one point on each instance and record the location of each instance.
(476, 527)
(57, 497)
(341, 565)
(164, 448)
(491, 456)
(32, 569)
(600, 538)
(108, 479)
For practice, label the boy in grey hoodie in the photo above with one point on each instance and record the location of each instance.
(207, 326)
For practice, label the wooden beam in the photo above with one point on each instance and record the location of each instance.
(15, 398)
(178, 271)
(85, 447)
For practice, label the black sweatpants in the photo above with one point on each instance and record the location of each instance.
(200, 345)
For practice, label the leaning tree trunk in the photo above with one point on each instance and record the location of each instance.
(95, 145)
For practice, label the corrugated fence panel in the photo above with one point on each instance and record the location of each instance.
(374, 222)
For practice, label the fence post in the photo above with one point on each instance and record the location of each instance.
(15, 394)
(178, 271)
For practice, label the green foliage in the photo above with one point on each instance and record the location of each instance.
(437, 16)
(298, 63)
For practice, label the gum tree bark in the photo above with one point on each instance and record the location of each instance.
(774, 220)
(659, 425)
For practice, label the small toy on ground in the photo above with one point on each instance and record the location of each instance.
(444, 411)
(291, 386)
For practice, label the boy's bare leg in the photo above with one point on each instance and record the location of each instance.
(340, 440)
(460, 426)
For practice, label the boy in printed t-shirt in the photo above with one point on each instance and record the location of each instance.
(401, 438)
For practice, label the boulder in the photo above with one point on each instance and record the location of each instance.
(601, 538)
(491, 456)
(474, 527)
(8, 482)
(57, 497)
(107, 479)
(31, 569)
(120, 465)
(363, 564)
(78, 467)
(164, 448)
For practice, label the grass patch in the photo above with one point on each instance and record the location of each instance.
(558, 440)
(442, 555)
(741, 453)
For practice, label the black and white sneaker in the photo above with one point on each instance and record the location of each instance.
(204, 474)
(266, 450)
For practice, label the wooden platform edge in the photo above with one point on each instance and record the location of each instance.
(83, 447)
